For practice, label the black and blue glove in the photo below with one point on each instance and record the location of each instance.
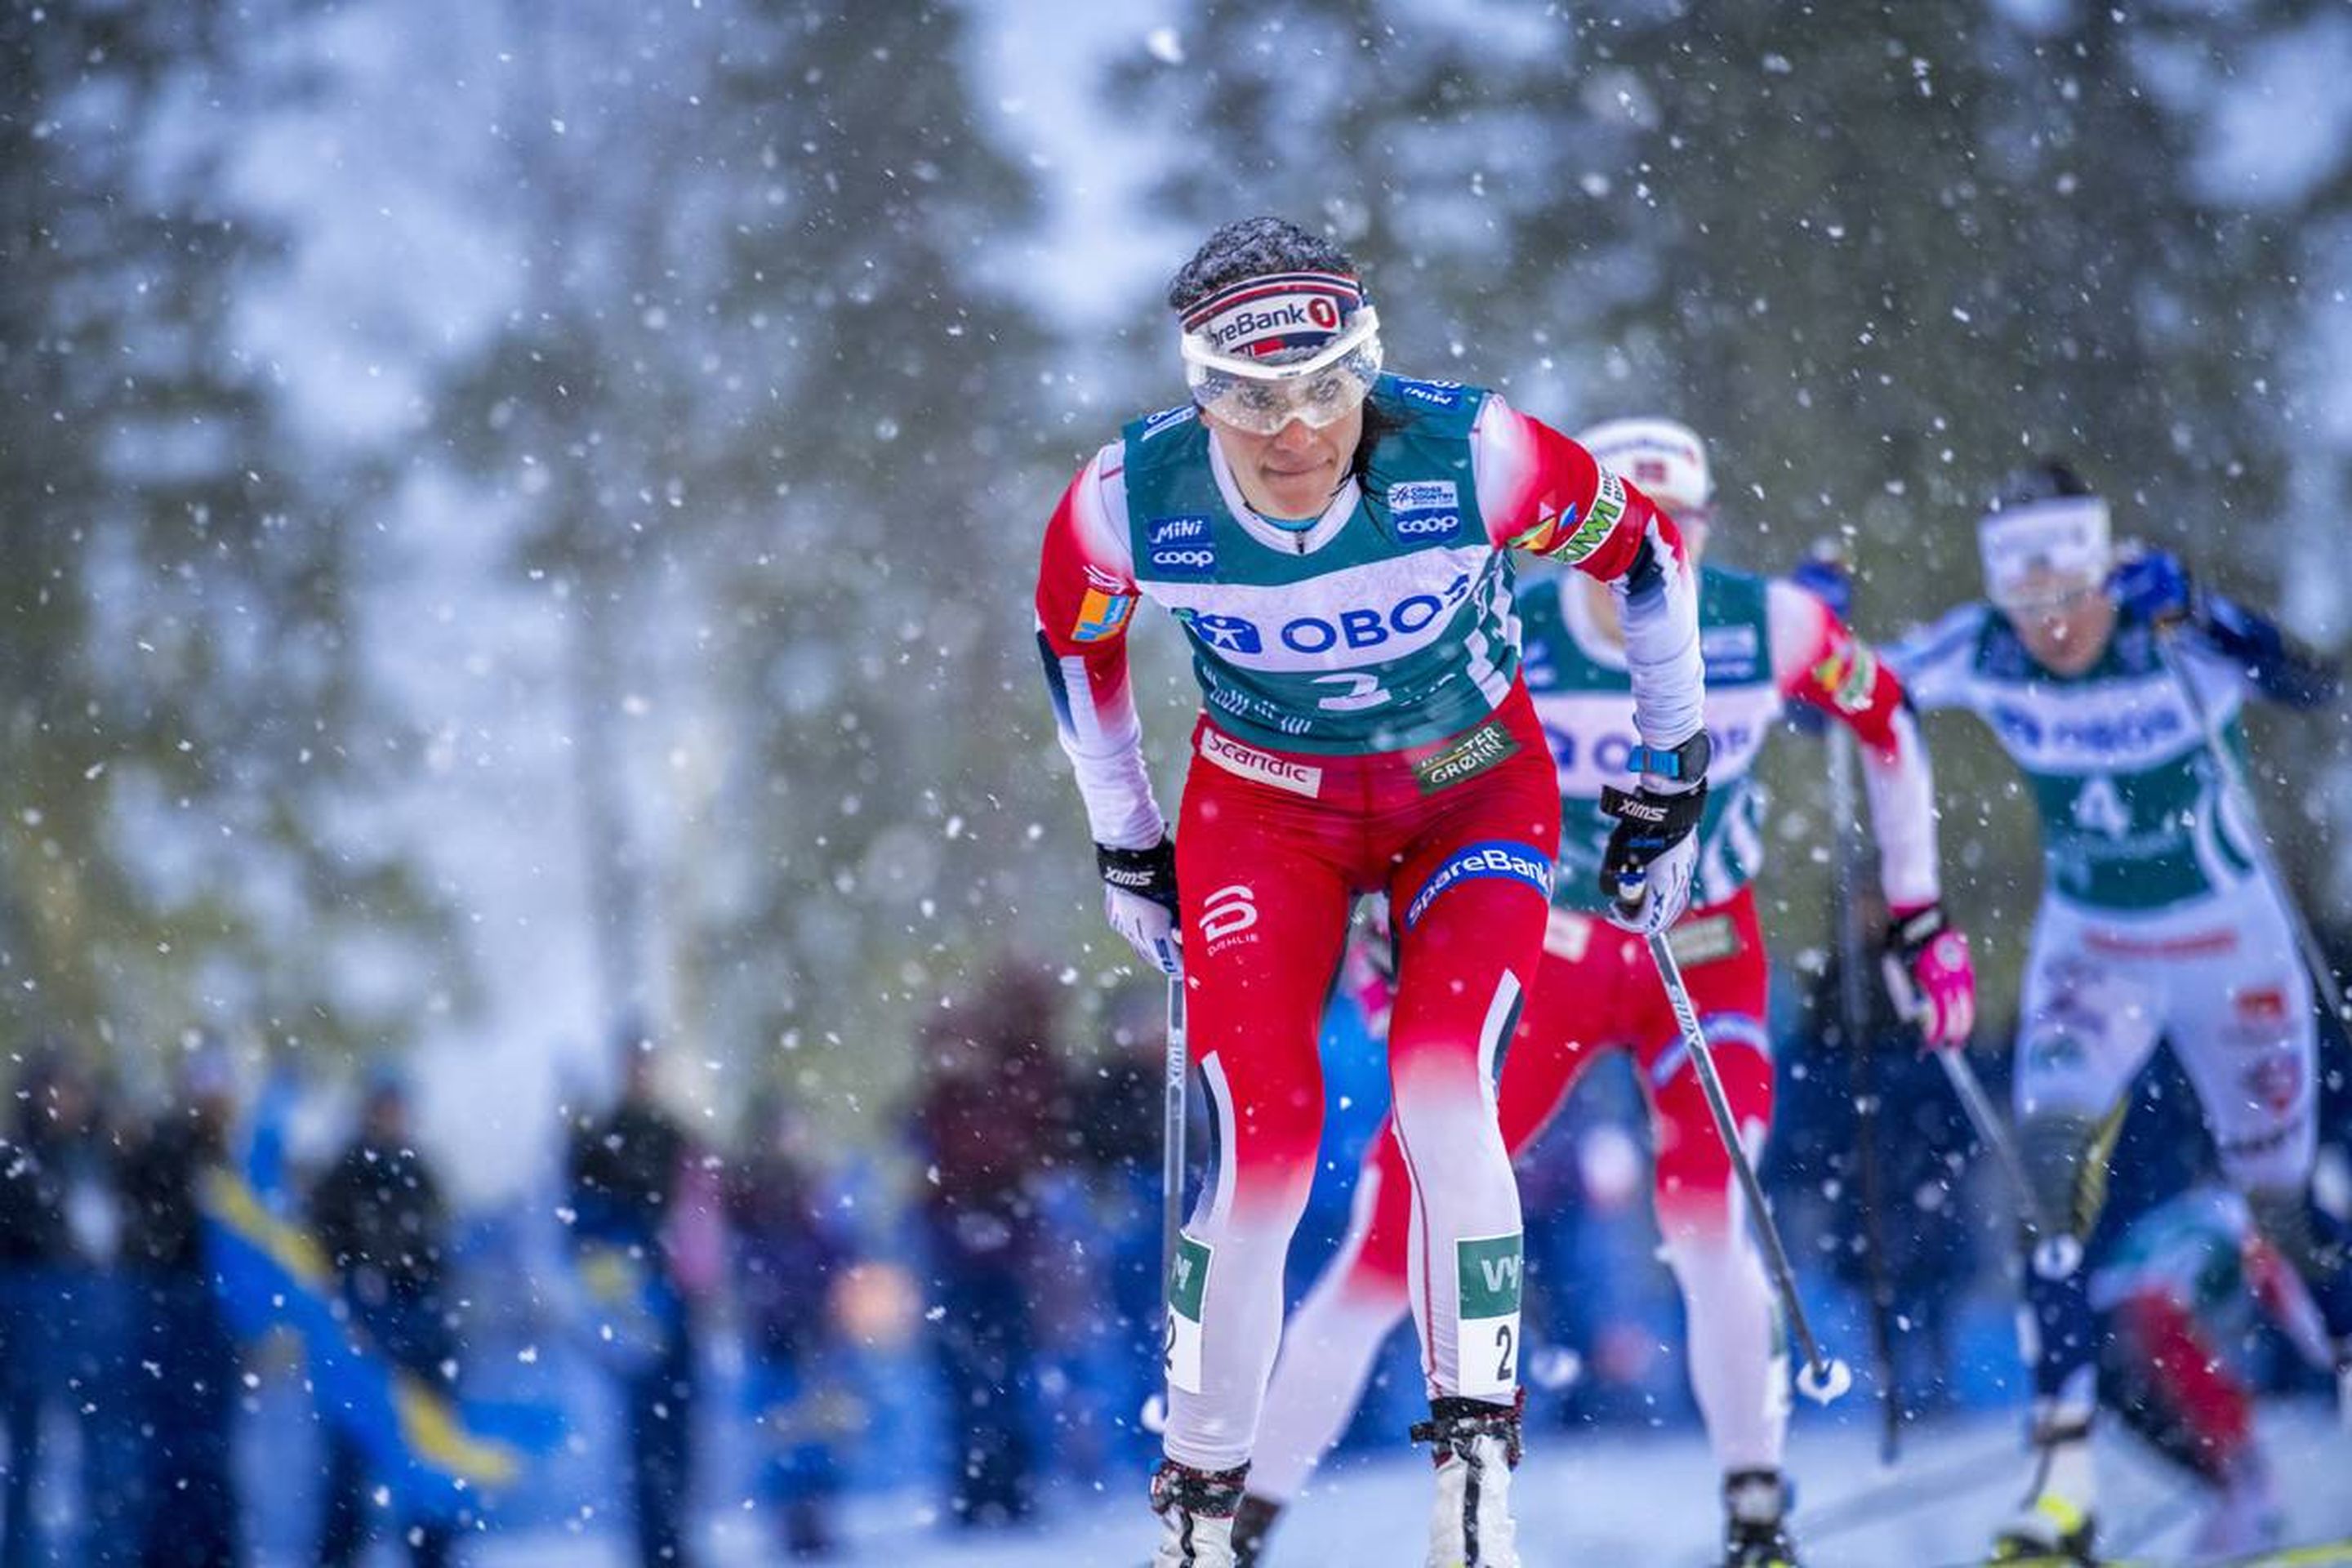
(2154, 587)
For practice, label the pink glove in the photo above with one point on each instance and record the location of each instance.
(1929, 973)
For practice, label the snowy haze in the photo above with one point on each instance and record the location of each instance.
(627, 429)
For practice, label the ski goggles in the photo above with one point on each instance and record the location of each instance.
(1266, 350)
(2047, 556)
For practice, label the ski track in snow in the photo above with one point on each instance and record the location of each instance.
(1616, 1500)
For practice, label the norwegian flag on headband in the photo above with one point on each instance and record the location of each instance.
(1260, 317)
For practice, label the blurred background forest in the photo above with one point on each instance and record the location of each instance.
(516, 514)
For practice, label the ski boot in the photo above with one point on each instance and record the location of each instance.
(1755, 1521)
(1252, 1522)
(2243, 1517)
(1196, 1515)
(1475, 1447)
(2055, 1523)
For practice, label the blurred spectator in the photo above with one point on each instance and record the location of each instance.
(377, 1213)
(990, 1118)
(185, 1356)
(60, 1309)
(630, 1190)
(788, 1253)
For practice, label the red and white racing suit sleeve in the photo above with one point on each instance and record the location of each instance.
(1545, 493)
(1816, 659)
(1086, 599)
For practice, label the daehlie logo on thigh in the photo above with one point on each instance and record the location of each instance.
(1497, 857)
(1226, 913)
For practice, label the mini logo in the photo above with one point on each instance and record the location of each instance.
(1472, 754)
(1436, 393)
(1181, 547)
(1226, 913)
(1190, 530)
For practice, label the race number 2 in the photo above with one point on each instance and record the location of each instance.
(1188, 1284)
(1488, 1272)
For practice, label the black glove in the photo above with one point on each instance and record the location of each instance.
(1645, 872)
(1139, 900)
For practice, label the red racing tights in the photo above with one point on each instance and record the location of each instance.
(1271, 850)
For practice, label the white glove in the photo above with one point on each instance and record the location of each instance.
(1140, 901)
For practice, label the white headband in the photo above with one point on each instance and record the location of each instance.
(2067, 537)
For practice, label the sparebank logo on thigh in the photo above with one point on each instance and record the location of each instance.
(1391, 626)
(1425, 510)
(1181, 547)
(1496, 857)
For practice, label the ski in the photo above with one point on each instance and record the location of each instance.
(2335, 1553)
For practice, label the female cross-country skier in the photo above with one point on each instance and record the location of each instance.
(2158, 917)
(1336, 543)
(1597, 991)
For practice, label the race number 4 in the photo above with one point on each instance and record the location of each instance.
(2099, 807)
(1188, 1285)
(1488, 1272)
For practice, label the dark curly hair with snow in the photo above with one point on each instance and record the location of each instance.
(1251, 248)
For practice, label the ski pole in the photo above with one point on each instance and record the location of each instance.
(1833, 583)
(1174, 1069)
(2240, 796)
(1854, 1012)
(1172, 1135)
(2057, 1252)
(1824, 1378)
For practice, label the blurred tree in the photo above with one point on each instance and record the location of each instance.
(183, 712)
(763, 362)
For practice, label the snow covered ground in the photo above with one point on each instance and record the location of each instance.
(1614, 1504)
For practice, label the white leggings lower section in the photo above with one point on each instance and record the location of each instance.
(1739, 1360)
(1739, 1357)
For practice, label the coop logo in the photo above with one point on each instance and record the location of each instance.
(1227, 913)
(1425, 509)
(1181, 547)
(1365, 628)
(1497, 857)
